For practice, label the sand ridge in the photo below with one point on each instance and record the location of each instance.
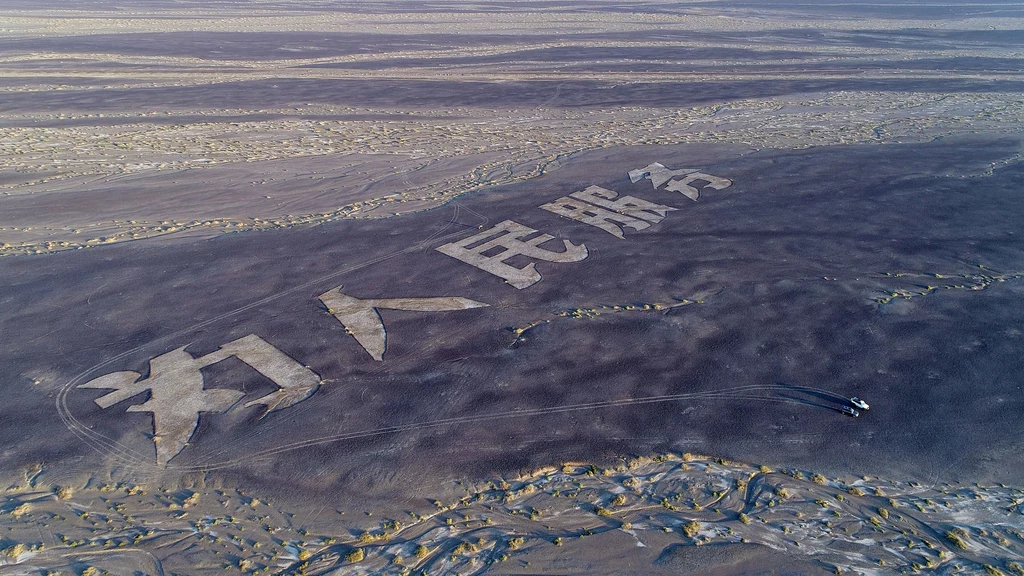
(658, 506)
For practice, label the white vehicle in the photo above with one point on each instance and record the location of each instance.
(849, 411)
(858, 403)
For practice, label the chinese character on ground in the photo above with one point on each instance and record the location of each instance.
(602, 208)
(658, 174)
(177, 395)
(361, 319)
(489, 250)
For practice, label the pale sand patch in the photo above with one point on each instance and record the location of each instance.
(670, 513)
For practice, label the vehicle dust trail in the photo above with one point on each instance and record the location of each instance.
(558, 90)
(456, 420)
(737, 393)
(125, 455)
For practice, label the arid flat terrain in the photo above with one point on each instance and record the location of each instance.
(511, 287)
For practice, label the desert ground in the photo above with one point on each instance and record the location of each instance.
(524, 287)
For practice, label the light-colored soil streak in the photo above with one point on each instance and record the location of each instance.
(865, 525)
(593, 312)
(148, 169)
(926, 284)
(244, 175)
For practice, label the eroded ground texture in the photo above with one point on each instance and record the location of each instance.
(511, 287)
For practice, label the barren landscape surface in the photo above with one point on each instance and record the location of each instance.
(559, 287)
